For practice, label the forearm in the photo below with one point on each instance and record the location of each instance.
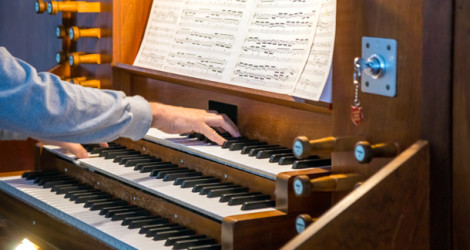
(43, 106)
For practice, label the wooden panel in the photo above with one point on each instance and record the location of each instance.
(315, 204)
(388, 211)
(461, 118)
(129, 22)
(421, 108)
(265, 230)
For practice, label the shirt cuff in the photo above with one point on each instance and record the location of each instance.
(141, 120)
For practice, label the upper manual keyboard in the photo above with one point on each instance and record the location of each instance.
(252, 156)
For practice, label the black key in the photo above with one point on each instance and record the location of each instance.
(254, 152)
(139, 166)
(183, 244)
(34, 174)
(227, 197)
(140, 223)
(79, 187)
(264, 154)
(90, 203)
(165, 234)
(239, 145)
(198, 187)
(247, 149)
(115, 209)
(192, 135)
(51, 184)
(240, 200)
(73, 195)
(56, 188)
(220, 192)
(250, 205)
(157, 171)
(152, 231)
(172, 177)
(130, 213)
(157, 167)
(277, 157)
(205, 190)
(179, 180)
(133, 162)
(105, 151)
(299, 164)
(144, 229)
(125, 212)
(98, 150)
(206, 247)
(111, 155)
(121, 159)
(38, 180)
(171, 240)
(100, 205)
(162, 173)
(230, 141)
(89, 147)
(85, 198)
(192, 183)
(287, 160)
(130, 219)
(124, 158)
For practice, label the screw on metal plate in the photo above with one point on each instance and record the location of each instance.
(379, 64)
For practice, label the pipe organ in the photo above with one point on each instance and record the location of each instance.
(302, 176)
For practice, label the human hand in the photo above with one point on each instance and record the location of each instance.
(74, 148)
(178, 120)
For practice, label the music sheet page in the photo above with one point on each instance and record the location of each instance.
(261, 44)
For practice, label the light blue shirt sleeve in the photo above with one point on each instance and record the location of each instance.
(41, 105)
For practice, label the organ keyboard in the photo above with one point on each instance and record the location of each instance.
(239, 158)
(118, 229)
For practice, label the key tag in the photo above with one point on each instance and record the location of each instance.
(356, 109)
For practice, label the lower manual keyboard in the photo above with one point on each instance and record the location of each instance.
(98, 214)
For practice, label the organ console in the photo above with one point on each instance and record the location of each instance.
(290, 182)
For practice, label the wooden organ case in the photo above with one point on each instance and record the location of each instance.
(400, 197)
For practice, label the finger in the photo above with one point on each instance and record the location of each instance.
(211, 134)
(224, 122)
(78, 150)
(104, 145)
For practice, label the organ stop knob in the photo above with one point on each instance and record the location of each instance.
(53, 7)
(364, 151)
(303, 185)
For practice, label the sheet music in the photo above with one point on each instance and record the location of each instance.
(261, 44)
(318, 67)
